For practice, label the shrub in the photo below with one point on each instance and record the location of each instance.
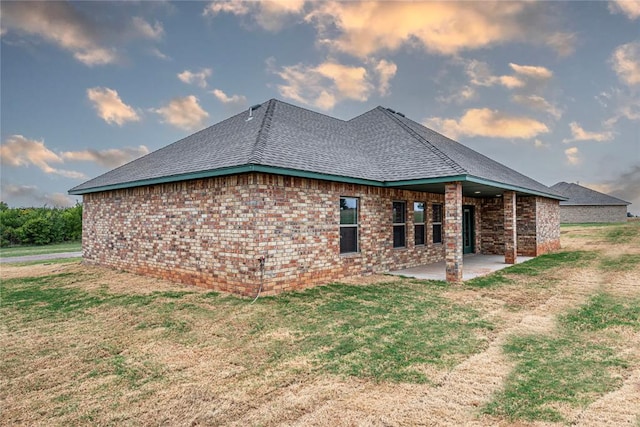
(39, 226)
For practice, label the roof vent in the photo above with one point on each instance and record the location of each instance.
(251, 109)
(399, 113)
(389, 109)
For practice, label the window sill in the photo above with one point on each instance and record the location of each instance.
(351, 255)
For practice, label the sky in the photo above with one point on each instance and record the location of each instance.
(550, 89)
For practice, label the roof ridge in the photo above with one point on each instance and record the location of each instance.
(263, 133)
(448, 160)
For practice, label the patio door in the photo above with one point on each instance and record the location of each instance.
(468, 232)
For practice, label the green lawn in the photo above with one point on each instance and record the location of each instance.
(39, 250)
(88, 345)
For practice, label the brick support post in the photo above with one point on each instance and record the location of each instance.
(453, 230)
(510, 237)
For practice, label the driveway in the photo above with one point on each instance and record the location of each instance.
(41, 257)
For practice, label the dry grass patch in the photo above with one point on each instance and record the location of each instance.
(87, 345)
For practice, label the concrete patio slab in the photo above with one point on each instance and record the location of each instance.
(474, 265)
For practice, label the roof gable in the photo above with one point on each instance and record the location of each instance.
(579, 195)
(379, 147)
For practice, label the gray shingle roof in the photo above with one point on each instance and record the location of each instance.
(579, 195)
(377, 146)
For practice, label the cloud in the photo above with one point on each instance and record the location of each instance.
(625, 104)
(488, 123)
(630, 8)
(531, 71)
(234, 7)
(625, 186)
(579, 134)
(225, 99)
(563, 43)
(110, 107)
(539, 144)
(625, 61)
(61, 24)
(538, 103)
(146, 30)
(573, 155)
(199, 79)
(111, 158)
(460, 96)
(363, 29)
(270, 15)
(385, 70)
(158, 54)
(325, 84)
(184, 113)
(10, 192)
(524, 75)
(20, 151)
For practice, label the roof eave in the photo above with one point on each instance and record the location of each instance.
(306, 174)
(234, 170)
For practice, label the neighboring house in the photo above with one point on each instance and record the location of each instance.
(280, 197)
(587, 205)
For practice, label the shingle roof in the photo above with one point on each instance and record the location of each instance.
(378, 146)
(579, 195)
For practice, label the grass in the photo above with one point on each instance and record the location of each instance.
(534, 267)
(551, 371)
(383, 333)
(15, 251)
(624, 262)
(570, 368)
(43, 262)
(86, 345)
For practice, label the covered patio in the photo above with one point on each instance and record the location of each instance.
(475, 265)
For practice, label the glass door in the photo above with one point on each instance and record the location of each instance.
(468, 232)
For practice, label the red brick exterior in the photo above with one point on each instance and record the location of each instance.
(453, 231)
(537, 226)
(212, 232)
(510, 239)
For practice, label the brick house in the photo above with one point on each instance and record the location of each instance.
(586, 205)
(279, 198)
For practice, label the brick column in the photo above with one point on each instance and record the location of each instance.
(510, 238)
(453, 230)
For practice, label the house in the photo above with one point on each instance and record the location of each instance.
(586, 205)
(279, 198)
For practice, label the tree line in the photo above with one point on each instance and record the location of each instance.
(39, 226)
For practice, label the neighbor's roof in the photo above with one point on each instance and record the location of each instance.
(579, 195)
(379, 147)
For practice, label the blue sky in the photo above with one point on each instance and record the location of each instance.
(551, 89)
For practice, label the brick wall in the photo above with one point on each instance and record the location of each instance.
(537, 221)
(577, 214)
(526, 225)
(492, 226)
(212, 232)
(548, 225)
(182, 231)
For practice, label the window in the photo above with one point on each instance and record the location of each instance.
(437, 222)
(348, 225)
(399, 224)
(418, 222)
